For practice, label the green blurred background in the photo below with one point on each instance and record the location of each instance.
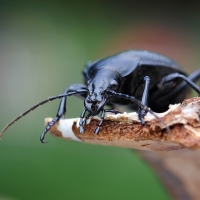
(43, 48)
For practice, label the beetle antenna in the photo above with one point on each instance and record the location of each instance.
(147, 109)
(39, 104)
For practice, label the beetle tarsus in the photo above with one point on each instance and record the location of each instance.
(42, 138)
(81, 130)
(48, 127)
(43, 141)
(141, 115)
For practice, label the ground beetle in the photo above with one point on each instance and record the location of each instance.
(137, 78)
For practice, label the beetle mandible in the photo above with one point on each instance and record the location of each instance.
(137, 78)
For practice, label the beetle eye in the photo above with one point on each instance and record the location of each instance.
(114, 84)
(89, 101)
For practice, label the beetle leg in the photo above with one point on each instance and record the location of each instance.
(86, 118)
(71, 88)
(179, 90)
(113, 111)
(144, 100)
(82, 122)
(75, 89)
(133, 99)
(189, 80)
(100, 123)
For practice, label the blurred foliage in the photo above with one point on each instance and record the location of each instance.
(43, 48)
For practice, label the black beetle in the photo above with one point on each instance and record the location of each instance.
(143, 77)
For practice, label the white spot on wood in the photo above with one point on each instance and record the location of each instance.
(65, 127)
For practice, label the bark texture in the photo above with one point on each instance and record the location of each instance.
(177, 128)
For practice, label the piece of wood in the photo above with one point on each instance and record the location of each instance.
(125, 130)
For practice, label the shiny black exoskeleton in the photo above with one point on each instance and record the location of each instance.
(137, 78)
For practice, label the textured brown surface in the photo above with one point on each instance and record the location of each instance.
(125, 130)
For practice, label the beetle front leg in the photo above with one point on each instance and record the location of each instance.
(102, 118)
(100, 123)
(75, 89)
(86, 118)
(82, 122)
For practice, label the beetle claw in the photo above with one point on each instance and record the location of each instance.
(42, 140)
(81, 130)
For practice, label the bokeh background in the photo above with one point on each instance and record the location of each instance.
(43, 48)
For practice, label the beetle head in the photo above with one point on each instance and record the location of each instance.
(104, 79)
(98, 94)
(94, 103)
